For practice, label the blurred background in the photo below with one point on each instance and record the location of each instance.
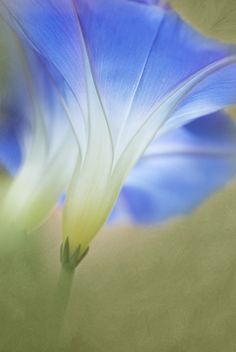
(167, 289)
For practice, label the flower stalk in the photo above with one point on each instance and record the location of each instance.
(61, 298)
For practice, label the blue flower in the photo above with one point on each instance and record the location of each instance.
(178, 171)
(35, 139)
(132, 71)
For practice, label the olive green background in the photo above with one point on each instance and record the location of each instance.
(167, 289)
(215, 18)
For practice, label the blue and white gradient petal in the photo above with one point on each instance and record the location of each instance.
(122, 92)
(178, 171)
(35, 139)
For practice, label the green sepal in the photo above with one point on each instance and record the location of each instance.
(70, 262)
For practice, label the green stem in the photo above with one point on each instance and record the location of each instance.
(64, 287)
(57, 311)
(62, 296)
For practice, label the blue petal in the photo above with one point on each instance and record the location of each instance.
(179, 171)
(10, 150)
(12, 110)
(51, 27)
(138, 56)
(162, 3)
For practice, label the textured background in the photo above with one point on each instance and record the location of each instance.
(169, 289)
(216, 18)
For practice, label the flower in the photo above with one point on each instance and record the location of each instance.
(33, 144)
(132, 71)
(178, 171)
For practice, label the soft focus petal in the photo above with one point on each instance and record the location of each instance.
(179, 171)
(35, 140)
(131, 70)
(132, 76)
(10, 151)
(152, 2)
(51, 27)
(13, 103)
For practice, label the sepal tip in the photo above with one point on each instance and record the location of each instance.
(71, 261)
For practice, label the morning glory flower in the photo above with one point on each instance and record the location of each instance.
(178, 171)
(32, 149)
(133, 71)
